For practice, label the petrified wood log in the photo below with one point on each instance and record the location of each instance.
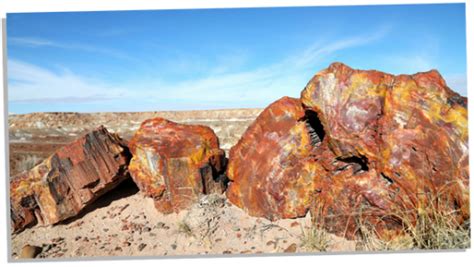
(176, 163)
(384, 150)
(272, 164)
(70, 179)
(410, 134)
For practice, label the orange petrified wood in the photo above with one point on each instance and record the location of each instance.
(176, 163)
(382, 150)
(271, 166)
(70, 179)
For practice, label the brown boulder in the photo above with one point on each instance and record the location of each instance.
(409, 135)
(176, 163)
(67, 181)
(392, 147)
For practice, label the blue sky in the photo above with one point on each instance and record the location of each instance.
(217, 58)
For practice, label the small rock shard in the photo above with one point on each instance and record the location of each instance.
(176, 163)
(73, 177)
(291, 248)
(29, 252)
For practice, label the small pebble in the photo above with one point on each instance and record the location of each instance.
(29, 252)
(293, 224)
(141, 246)
(291, 248)
(160, 225)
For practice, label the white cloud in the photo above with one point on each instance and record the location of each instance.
(30, 41)
(30, 83)
(319, 50)
(264, 84)
(222, 83)
(39, 42)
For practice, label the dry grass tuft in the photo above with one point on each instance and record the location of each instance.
(439, 230)
(184, 228)
(436, 226)
(315, 239)
(369, 239)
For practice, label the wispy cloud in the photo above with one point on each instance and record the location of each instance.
(221, 84)
(263, 84)
(319, 50)
(33, 42)
(30, 83)
(30, 41)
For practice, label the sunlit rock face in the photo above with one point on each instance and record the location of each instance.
(272, 166)
(358, 147)
(176, 163)
(66, 182)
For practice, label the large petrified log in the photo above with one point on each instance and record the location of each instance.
(176, 163)
(272, 165)
(70, 179)
(384, 150)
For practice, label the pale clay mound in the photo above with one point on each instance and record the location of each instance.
(228, 124)
(125, 223)
(34, 136)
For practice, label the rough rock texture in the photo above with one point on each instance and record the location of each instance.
(272, 165)
(67, 181)
(392, 147)
(175, 163)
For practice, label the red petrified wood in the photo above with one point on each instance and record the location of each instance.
(383, 149)
(70, 179)
(271, 165)
(176, 163)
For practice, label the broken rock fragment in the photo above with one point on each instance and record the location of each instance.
(176, 163)
(70, 179)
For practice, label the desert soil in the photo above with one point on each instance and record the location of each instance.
(125, 223)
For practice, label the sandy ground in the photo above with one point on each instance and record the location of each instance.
(126, 223)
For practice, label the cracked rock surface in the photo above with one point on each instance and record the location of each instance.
(358, 145)
(176, 163)
(63, 184)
